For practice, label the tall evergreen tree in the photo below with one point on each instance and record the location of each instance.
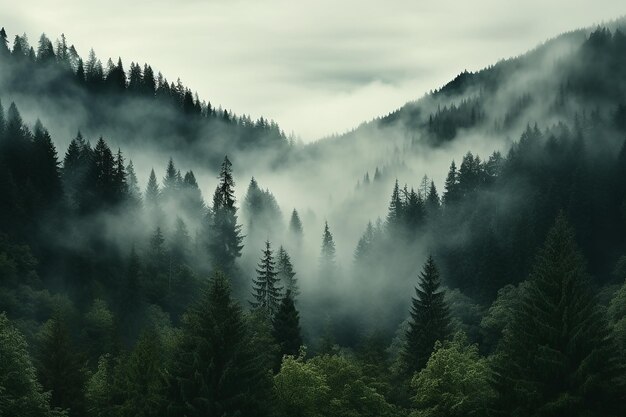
(225, 243)
(286, 325)
(451, 188)
(430, 320)
(266, 289)
(286, 274)
(60, 369)
(215, 372)
(4, 43)
(395, 216)
(295, 228)
(134, 193)
(327, 257)
(557, 356)
(45, 166)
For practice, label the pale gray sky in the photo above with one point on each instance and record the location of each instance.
(314, 66)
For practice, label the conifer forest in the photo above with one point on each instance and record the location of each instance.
(462, 255)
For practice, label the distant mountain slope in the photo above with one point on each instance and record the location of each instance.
(129, 104)
(579, 74)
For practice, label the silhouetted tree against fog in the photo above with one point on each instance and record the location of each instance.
(327, 257)
(430, 320)
(225, 241)
(266, 288)
(286, 274)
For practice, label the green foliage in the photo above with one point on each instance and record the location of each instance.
(455, 382)
(286, 327)
(326, 386)
(557, 356)
(430, 320)
(215, 370)
(20, 392)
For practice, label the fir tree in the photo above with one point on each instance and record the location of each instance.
(327, 257)
(295, 228)
(4, 43)
(364, 245)
(266, 291)
(430, 320)
(451, 188)
(46, 166)
(395, 215)
(153, 193)
(286, 325)
(557, 356)
(286, 274)
(133, 184)
(226, 241)
(215, 371)
(59, 367)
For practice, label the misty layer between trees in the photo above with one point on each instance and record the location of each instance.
(463, 255)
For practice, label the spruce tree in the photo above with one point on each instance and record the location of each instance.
(295, 228)
(286, 274)
(430, 320)
(215, 371)
(120, 178)
(286, 325)
(432, 200)
(45, 166)
(171, 182)
(152, 190)
(364, 246)
(451, 187)
(395, 216)
(134, 193)
(327, 256)
(557, 356)
(59, 367)
(4, 43)
(225, 242)
(266, 289)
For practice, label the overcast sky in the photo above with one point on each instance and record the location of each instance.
(314, 66)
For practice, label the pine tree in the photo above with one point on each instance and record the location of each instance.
(451, 187)
(45, 167)
(171, 182)
(103, 175)
(395, 215)
(215, 371)
(286, 325)
(226, 241)
(192, 200)
(364, 245)
(557, 356)
(60, 369)
(266, 291)
(153, 194)
(286, 274)
(432, 201)
(430, 320)
(133, 184)
(295, 228)
(327, 257)
(4, 43)
(120, 178)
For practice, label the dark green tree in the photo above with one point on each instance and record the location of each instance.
(225, 242)
(286, 274)
(20, 392)
(60, 369)
(286, 330)
(451, 187)
(266, 289)
(327, 256)
(295, 228)
(430, 320)
(215, 372)
(557, 357)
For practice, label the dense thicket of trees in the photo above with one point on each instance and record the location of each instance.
(122, 302)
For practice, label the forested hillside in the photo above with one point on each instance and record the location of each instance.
(462, 256)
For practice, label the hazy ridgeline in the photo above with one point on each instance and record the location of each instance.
(489, 215)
